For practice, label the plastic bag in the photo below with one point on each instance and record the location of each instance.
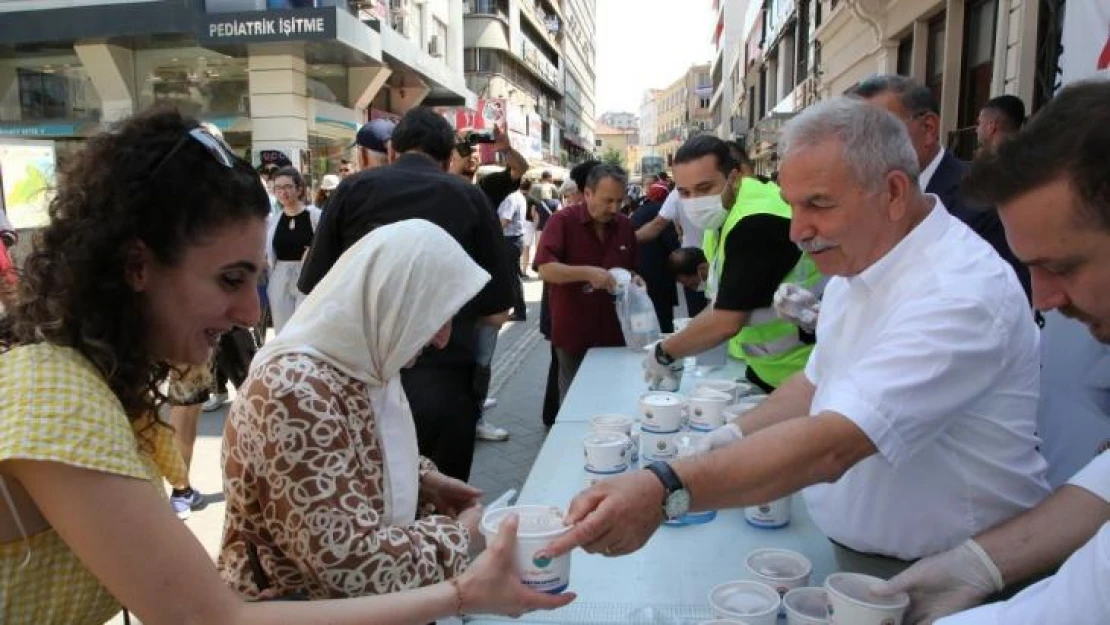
(637, 316)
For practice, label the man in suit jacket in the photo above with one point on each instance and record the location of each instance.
(941, 172)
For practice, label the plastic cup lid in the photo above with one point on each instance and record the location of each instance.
(535, 521)
(662, 399)
(779, 564)
(605, 439)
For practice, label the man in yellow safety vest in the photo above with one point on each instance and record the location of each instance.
(750, 256)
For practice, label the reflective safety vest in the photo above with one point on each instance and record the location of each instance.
(769, 345)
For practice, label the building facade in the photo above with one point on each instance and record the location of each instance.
(580, 51)
(298, 81)
(682, 109)
(623, 143)
(728, 40)
(620, 120)
(514, 62)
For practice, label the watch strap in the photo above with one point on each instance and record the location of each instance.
(661, 355)
(666, 475)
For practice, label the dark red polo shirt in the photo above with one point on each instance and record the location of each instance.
(581, 320)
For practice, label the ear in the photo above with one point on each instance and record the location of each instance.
(136, 266)
(931, 122)
(899, 187)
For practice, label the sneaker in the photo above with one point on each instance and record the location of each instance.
(215, 401)
(491, 402)
(184, 502)
(487, 432)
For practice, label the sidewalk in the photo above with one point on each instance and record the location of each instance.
(518, 381)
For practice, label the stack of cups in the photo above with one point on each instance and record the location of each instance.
(663, 418)
(607, 454)
(772, 515)
(851, 601)
(689, 445)
(622, 424)
(706, 409)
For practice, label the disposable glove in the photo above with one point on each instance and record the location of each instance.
(943, 584)
(661, 377)
(797, 305)
(724, 436)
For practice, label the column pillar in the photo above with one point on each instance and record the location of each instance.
(278, 97)
(9, 92)
(364, 83)
(920, 56)
(112, 71)
(953, 61)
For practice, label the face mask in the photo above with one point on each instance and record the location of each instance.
(705, 212)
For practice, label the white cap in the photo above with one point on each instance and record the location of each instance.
(329, 182)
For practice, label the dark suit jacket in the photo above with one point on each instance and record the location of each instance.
(984, 220)
(652, 261)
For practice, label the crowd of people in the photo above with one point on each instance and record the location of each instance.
(881, 291)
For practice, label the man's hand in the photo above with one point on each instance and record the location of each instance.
(601, 279)
(946, 583)
(448, 495)
(798, 306)
(660, 376)
(724, 436)
(500, 139)
(615, 517)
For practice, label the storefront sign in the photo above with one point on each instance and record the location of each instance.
(295, 25)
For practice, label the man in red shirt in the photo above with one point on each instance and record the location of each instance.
(579, 245)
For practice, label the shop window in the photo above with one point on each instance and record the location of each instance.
(199, 82)
(328, 83)
(54, 88)
(905, 55)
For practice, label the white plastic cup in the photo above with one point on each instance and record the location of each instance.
(851, 602)
(770, 515)
(706, 409)
(780, 569)
(806, 606)
(663, 411)
(607, 452)
(657, 445)
(539, 525)
(619, 423)
(750, 602)
(728, 387)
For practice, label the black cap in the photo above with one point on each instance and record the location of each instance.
(374, 135)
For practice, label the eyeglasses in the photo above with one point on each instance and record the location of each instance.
(211, 144)
(285, 187)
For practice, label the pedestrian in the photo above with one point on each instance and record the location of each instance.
(187, 392)
(288, 237)
(512, 212)
(1000, 119)
(579, 246)
(534, 209)
(346, 167)
(327, 186)
(145, 263)
(652, 261)
(372, 141)
(441, 387)
(334, 375)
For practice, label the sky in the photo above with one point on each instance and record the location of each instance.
(643, 44)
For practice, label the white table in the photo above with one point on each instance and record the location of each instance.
(667, 581)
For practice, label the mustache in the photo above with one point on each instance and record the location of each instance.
(815, 245)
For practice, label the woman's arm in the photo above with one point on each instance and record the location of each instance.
(124, 532)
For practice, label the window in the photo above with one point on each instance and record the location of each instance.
(934, 58)
(977, 70)
(801, 60)
(905, 55)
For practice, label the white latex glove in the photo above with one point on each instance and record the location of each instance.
(661, 377)
(945, 583)
(724, 436)
(797, 305)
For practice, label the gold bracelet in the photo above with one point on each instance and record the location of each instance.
(458, 596)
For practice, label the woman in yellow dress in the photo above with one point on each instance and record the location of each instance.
(154, 250)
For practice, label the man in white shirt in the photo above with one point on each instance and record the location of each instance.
(1052, 186)
(511, 212)
(912, 428)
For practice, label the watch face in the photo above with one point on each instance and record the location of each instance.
(677, 504)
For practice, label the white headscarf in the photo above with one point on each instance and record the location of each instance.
(376, 310)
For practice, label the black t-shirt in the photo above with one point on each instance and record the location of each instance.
(498, 185)
(415, 188)
(758, 255)
(291, 242)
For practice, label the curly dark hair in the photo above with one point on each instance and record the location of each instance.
(122, 189)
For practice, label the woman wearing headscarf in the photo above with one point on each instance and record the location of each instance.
(323, 479)
(288, 235)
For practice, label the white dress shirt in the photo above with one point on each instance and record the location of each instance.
(932, 353)
(672, 210)
(927, 174)
(1079, 594)
(1074, 415)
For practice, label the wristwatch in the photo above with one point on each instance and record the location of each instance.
(677, 500)
(661, 355)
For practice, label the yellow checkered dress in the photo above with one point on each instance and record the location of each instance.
(55, 406)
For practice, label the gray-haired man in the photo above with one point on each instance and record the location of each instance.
(912, 427)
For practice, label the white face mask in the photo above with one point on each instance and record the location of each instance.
(705, 212)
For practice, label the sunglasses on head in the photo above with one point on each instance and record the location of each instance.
(211, 144)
